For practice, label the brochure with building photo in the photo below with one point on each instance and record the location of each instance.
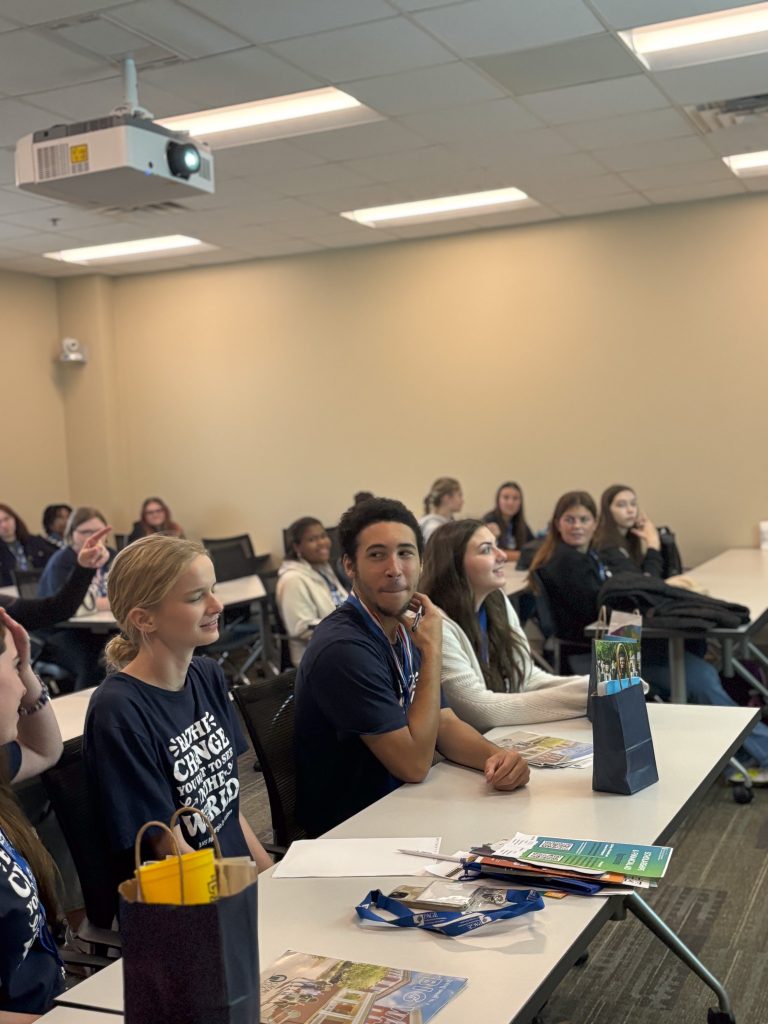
(306, 988)
(547, 751)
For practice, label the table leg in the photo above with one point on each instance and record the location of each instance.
(678, 693)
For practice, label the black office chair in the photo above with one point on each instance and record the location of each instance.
(26, 581)
(279, 655)
(66, 785)
(121, 539)
(268, 711)
(562, 650)
(233, 557)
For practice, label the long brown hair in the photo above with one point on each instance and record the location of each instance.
(23, 837)
(520, 527)
(571, 499)
(607, 533)
(22, 533)
(169, 526)
(444, 580)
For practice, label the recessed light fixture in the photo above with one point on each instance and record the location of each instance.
(442, 208)
(280, 117)
(140, 248)
(748, 165)
(736, 32)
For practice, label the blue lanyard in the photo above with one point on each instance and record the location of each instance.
(601, 569)
(482, 621)
(44, 936)
(474, 870)
(406, 675)
(335, 592)
(446, 922)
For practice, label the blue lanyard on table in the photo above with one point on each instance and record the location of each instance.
(44, 936)
(446, 922)
(472, 871)
(405, 670)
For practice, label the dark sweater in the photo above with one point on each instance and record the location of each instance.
(572, 580)
(618, 559)
(37, 549)
(41, 612)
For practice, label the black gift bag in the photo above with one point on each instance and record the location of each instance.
(193, 964)
(624, 760)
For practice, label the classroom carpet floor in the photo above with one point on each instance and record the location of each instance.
(715, 895)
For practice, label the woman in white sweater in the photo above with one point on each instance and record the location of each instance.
(488, 674)
(307, 587)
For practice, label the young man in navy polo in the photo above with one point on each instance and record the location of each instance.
(369, 709)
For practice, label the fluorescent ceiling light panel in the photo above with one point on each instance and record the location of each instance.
(737, 32)
(444, 208)
(748, 165)
(138, 249)
(300, 113)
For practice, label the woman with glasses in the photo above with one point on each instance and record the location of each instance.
(155, 518)
(77, 649)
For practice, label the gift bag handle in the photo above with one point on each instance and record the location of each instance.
(137, 855)
(196, 810)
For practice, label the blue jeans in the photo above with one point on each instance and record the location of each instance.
(704, 687)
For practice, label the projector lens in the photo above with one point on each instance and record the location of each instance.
(183, 159)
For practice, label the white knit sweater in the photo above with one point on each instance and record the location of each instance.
(543, 697)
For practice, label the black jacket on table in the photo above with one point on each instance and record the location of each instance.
(618, 559)
(42, 612)
(572, 580)
(37, 549)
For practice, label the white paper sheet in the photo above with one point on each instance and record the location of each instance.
(355, 858)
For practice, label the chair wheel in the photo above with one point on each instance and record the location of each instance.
(582, 959)
(719, 1017)
(742, 795)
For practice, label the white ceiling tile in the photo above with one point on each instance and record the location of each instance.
(500, 26)
(16, 118)
(7, 167)
(335, 231)
(93, 99)
(266, 22)
(473, 123)
(235, 77)
(600, 99)
(15, 200)
(422, 5)
(67, 217)
(654, 154)
(631, 13)
(266, 157)
(756, 184)
(366, 195)
(528, 171)
(31, 62)
(694, 190)
(443, 86)
(176, 27)
(102, 37)
(35, 12)
(416, 163)
(360, 141)
(44, 241)
(645, 126)
(537, 148)
(678, 174)
(307, 180)
(377, 48)
(8, 26)
(739, 139)
(514, 218)
(25, 264)
(721, 80)
(579, 188)
(583, 207)
(8, 229)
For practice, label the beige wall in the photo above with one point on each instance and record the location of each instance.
(567, 354)
(35, 470)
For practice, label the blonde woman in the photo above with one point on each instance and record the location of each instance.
(444, 501)
(161, 732)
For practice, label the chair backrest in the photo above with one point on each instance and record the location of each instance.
(231, 556)
(543, 607)
(121, 539)
(82, 826)
(268, 710)
(26, 581)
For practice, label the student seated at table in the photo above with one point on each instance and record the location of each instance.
(488, 675)
(31, 974)
(444, 501)
(19, 549)
(75, 648)
(155, 518)
(572, 574)
(161, 731)
(55, 523)
(307, 587)
(506, 521)
(369, 710)
(625, 538)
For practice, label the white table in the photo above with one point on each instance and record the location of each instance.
(513, 968)
(79, 1015)
(514, 581)
(70, 711)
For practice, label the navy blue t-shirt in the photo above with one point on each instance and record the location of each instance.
(347, 687)
(150, 750)
(30, 975)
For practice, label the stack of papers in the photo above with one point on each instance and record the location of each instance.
(585, 866)
(548, 751)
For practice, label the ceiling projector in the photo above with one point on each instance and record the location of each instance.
(122, 161)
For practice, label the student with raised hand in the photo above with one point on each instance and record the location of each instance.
(625, 539)
(155, 518)
(573, 575)
(31, 974)
(161, 731)
(55, 523)
(506, 521)
(444, 501)
(369, 709)
(19, 549)
(307, 587)
(488, 675)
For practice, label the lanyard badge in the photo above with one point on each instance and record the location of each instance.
(406, 674)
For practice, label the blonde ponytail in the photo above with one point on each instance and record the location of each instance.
(119, 652)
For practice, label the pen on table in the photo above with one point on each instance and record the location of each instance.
(432, 856)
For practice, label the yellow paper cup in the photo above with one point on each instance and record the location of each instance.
(160, 882)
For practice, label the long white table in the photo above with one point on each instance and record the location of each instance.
(514, 580)
(512, 968)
